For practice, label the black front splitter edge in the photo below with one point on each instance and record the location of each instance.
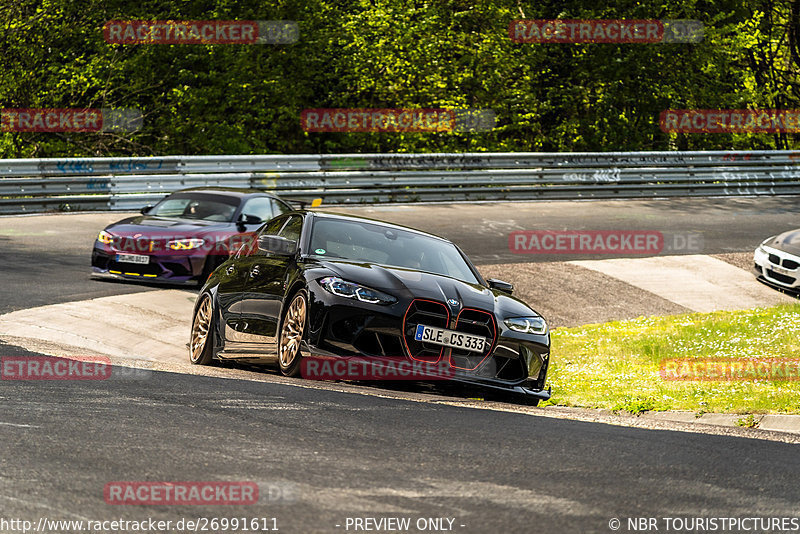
(142, 280)
(540, 394)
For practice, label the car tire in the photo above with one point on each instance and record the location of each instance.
(292, 332)
(201, 341)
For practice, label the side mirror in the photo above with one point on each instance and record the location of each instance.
(505, 287)
(145, 210)
(248, 219)
(277, 245)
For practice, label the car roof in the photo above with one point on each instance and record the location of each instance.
(341, 216)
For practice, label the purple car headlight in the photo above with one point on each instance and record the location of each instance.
(185, 244)
(105, 238)
(350, 290)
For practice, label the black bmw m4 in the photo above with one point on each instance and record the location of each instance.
(323, 287)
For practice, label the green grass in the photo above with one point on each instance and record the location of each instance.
(617, 365)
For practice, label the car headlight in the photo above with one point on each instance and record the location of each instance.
(185, 244)
(105, 238)
(527, 325)
(350, 290)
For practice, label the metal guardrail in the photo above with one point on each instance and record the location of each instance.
(38, 185)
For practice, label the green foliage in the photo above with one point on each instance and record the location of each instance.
(620, 365)
(747, 422)
(246, 99)
(635, 404)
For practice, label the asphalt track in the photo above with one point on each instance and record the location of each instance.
(328, 455)
(45, 263)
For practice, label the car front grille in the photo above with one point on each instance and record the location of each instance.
(436, 314)
(783, 262)
(479, 323)
(790, 264)
(789, 280)
(429, 313)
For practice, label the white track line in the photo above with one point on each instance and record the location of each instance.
(700, 283)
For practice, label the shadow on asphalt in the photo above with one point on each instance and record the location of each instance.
(457, 391)
(151, 285)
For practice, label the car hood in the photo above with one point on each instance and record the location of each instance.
(162, 227)
(423, 285)
(786, 242)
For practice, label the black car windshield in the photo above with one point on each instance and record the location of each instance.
(205, 207)
(374, 243)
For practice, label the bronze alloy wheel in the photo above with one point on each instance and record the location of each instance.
(294, 324)
(199, 346)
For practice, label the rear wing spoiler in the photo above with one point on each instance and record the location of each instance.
(304, 203)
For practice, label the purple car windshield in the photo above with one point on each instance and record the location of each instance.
(199, 207)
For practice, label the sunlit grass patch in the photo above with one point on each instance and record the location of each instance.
(617, 365)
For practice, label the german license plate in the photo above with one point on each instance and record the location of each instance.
(133, 258)
(449, 338)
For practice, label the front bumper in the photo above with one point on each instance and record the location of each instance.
(526, 391)
(515, 363)
(531, 388)
(162, 268)
(777, 268)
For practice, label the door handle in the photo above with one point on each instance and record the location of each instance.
(255, 271)
(230, 269)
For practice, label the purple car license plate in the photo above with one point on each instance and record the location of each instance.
(133, 258)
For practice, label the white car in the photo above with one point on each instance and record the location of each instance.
(777, 260)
